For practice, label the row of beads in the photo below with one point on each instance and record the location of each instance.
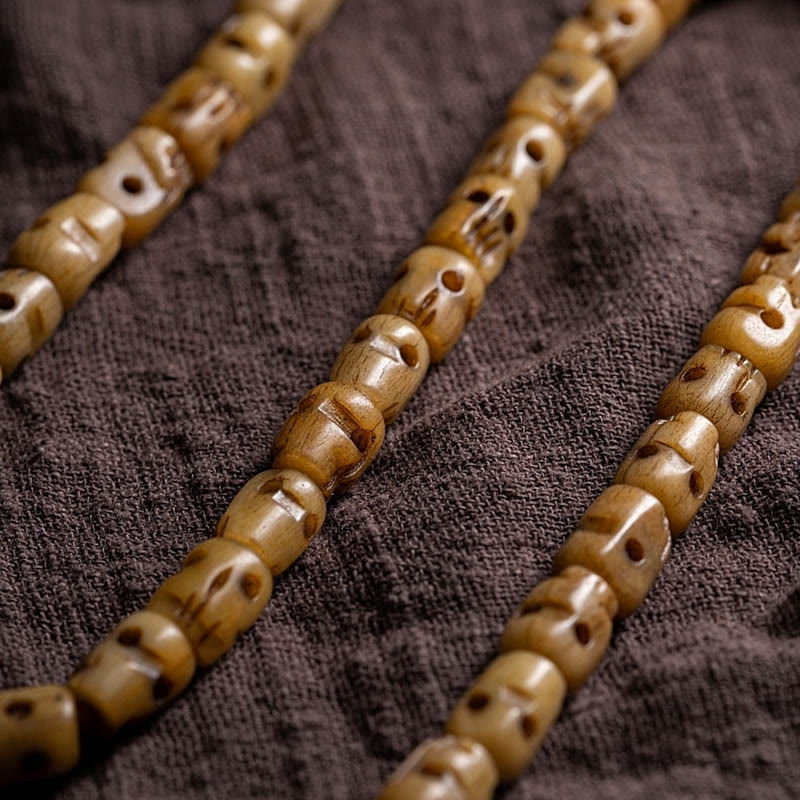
(235, 79)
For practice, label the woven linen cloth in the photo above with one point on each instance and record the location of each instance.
(126, 436)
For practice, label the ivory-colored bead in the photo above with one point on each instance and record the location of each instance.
(721, 385)
(301, 18)
(205, 115)
(38, 733)
(30, 310)
(624, 537)
(568, 619)
(440, 291)
(673, 11)
(71, 243)
(570, 91)
(510, 708)
(676, 462)
(386, 359)
(332, 436)
(145, 176)
(144, 663)
(762, 322)
(527, 152)
(253, 53)
(448, 768)
(219, 593)
(485, 220)
(276, 514)
(623, 33)
(784, 265)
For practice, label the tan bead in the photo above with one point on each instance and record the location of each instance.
(624, 537)
(721, 385)
(276, 514)
(525, 151)
(784, 265)
(762, 322)
(205, 115)
(386, 359)
(782, 236)
(144, 663)
(510, 709)
(673, 11)
(485, 220)
(676, 462)
(30, 310)
(301, 18)
(568, 619)
(449, 768)
(38, 733)
(440, 291)
(790, 206)
(570, 91)
(253, 53)
(71, 243)
(145, 176)
(219, 593)
(623, 33)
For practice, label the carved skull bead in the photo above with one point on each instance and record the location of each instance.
(301, 18)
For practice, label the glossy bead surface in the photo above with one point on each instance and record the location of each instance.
(276, 514)
(440, 291)
(71, 243)
(783, 264)
(624, 537)
(145, 177)
(675, 461)
(301, 18)
(673, 11)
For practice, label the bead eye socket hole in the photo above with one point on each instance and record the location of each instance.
(132, 184)
(452, 281)
(234, 41)
(739, 404)
(693, 374)
(582, 633)
(478, 196)
(431, 771)
(7, 301)
(528, 725)
(509, 223)
(251, 585)
(130, 637)
(634, 550)
(772, 318)
(646, 451)
(477, 701)
(535, 150)
(567, 80)
(696, 483)
(626, 18)
(362, 334)
(410, 355)
(19, 709)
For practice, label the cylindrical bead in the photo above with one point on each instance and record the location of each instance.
(301, 18)
(38, 733)
(276, 514)
(386, 359)
(673, 11)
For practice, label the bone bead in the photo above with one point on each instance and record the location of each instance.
(204, 114)
(510, 708)
(790, 206)
(254, 54)
(568, 619)
(145, 176)
(485, 220)
(448, 768)
(438, 290)
(624, 537)
(673, 11)
(676, 462)
(276, 514)
(570, 91)
(762, 322)
(719, 384)
(386, 359)
(30, 310)
(332, 436)
(144, 663)
(219, 593)
(622, 33)
(301, 18)
(38, 733)
(782, 236)
(71, 243)
(784, 265)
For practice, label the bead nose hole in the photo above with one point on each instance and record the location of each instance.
(132, 184)
(7, 301)
(772, 318)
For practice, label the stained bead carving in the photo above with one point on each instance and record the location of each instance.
(332, 437)
(205, 115)
(440, 291)
(624, 537)
(254, 54)
(301, 18)
(38, 733)
(449, 768)
(144, 663)
(568, 619)
(276, 514)
(510, 708)
(30, 310)
(71, 243)
(762, 322)
(220, 592)
(386, 359)
(676, 462)
(673, 11)
(485, 220)
(570, 91)
(145, 176)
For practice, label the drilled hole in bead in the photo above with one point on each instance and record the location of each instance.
(478, 196)
(634, 550)
(431, 771)
(738, 403)
(528, 725)
(625, 17)
(235, 41)
(567, 80)
(582, 633)
(19, 709)
(40, 223)
(772, 248)
(510, 222)
(361, 439)
(772, 318)
(35, 762)
(132, 184)
(696, 483)
(410, 355)
(694, 374)
(220, 579)
(162, 688)
(646, 451)
(362, 334)
(251, 585)
(453, 280)
(7, 301)
(477, 701)
(534, 150)
(130, 637)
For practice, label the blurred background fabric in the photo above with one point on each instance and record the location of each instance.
(124, 439)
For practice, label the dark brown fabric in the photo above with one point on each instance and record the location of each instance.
(125, 438)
